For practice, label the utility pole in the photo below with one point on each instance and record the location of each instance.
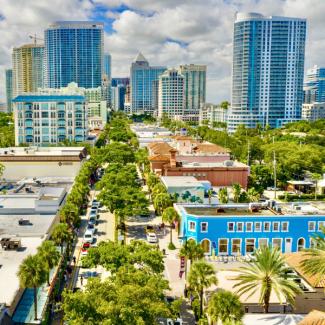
(248, 153)
(274, 173)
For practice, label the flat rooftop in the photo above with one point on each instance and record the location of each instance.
(180, 181)
(224, 164)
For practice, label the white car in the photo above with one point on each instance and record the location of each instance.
(152, 237)
(89, 236)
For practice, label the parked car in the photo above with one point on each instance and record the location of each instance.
(89, 237)
(95, 203)
(84, 249)
(92, 221)
(150, 228)
(177, 321)
(93, 214)
(152, 238)
(91, 227)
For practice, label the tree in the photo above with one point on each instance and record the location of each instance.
(201, 276)
(225, 104)
(49, 255)
(152, 180)
(192, 251)
(210, 192)
(236, 190)
(161, 202)
(157, 189)
(2, 168)
(69, 214)
(223, 195)
(253, 195)
(267, 274)
(32, 274)
(314, 262)
(118, 152)
(315, 177)
(62, 234)
(225, 307)
(170, 216)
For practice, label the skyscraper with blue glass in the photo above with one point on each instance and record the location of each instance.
(8, 73)
(74, 52)
(108, 65)
(142, 78)
(268, 70)
(314, 86)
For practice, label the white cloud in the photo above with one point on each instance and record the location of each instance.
(168, 32)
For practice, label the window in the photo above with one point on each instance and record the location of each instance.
(311, 226)
(250, 245)
(223, 246)
(285, 226)
(258, 226)
(312, 243)
(204, 226)
(276, 226)
(320, 225)
(267, 226)
(231, 226)
(262, 242)
(249, 226)
(235, 246)
(277, 243)
(191, 225)
(301, 244)
(240, 226)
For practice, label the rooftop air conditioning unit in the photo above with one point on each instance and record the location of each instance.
(297, 208)
(228, 163)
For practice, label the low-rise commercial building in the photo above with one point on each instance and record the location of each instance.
(313, 112)
(212, 113)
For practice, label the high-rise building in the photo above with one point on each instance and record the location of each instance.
(268, 69)
(195, 87)
(171, 90)
(120, 81)
(8, 73)
(27, 68)
(142, 76)
(118, 97)
(108, 65)
(74, 53)
(213, 113)
(314, 86)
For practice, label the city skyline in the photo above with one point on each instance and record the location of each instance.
(184, 38)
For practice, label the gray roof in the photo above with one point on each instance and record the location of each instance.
(140, 58)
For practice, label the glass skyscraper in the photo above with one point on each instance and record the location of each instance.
(268, 70)
(108, 65)
(8, 73)
(74, 53)
(142, 77)
(314, 86)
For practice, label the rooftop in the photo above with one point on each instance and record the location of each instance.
(47, 98)
(224, 164)
(180, 181)
(315, 317)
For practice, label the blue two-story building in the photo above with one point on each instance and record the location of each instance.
(239, 229)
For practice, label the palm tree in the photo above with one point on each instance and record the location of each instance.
(210, 192)
(170, 216)
(62, 234)
(267, 274)
(223, 195)
(236, 190)
(157, 189)
(69, 214)
(314, 263)
(192, 251)
(49, 255)
(200, 277)
(161, 202)
(32, 274)
(226, 307)
(316, 177)
(253, 195)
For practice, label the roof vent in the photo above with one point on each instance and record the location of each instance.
(228, 163)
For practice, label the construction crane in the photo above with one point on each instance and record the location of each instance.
(35, 38)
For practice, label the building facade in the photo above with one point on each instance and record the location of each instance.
(171, 99)
(313, 111)
(9, 89)
(142, 76)
(27, 68)
(314, 85)
(108, 65)
(46, 118)
(213, 113)
(268, 70)
(237, 229)
(118, 97)
(194, 88)
(74, 53)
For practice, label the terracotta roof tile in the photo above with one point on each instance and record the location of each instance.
(161, 148)
(159, 158)
(315, 317)
(210, 148)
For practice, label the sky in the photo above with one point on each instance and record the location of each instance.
(167, 32)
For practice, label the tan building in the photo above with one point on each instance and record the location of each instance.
(313, 112)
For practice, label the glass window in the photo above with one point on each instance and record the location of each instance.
(223, 246)
(285, 226)
(267, 226)
(301, 244)
(262, 242)
(240, 226)
(249, 226)
(204, 226)
(191, 225)
(276, 243)
(250, 245)
(231, 226)
(276, 226)
(258, 226)
(236, 246)
(311, 226)
(320, 225)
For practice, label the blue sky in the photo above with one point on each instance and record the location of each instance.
(167, 32)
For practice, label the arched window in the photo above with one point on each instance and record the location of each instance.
(301, 244)
(205, 243)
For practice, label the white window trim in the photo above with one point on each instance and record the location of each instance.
(252, 225)
(287, 222)
(270, 224)
(261, 226)
(228, 227)
(210, 245)
(189, 225)
(298, 242)
(241, 241)
(207, 225)
(279, 226)
(314, 222)
(243, 224)
(280, 241)
(258, 243)
(227, 246)
(246, 244)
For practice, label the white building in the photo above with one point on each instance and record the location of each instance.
(213, 113)
(314, 111)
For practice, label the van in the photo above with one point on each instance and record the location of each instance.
(89, 236)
